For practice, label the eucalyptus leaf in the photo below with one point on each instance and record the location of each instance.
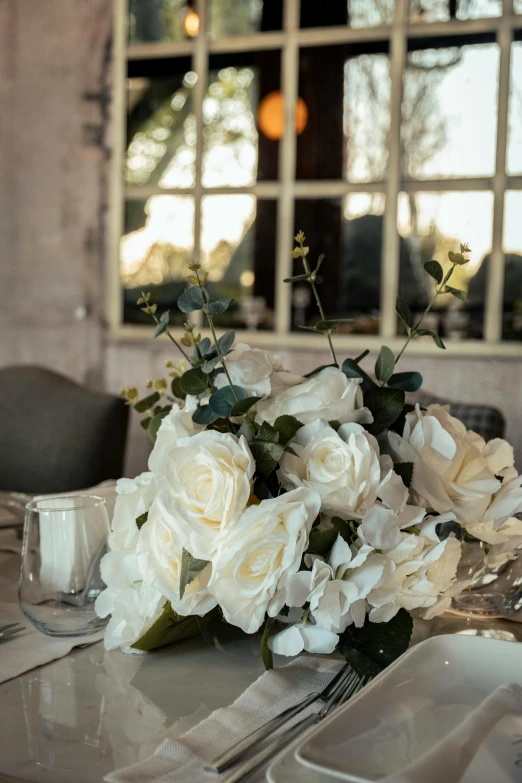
(176, 389)
(361, 356)
(156, 424)
(457, 293)
(376, 644)
(297, 278)
(216, 308)
(404, 312)
(204, 347)
(385, 364)
(191, 567)
(268, 433)
(287, 426)
(226, 341)
(405, 471)
(171, 627)
(194, 381)
(343, 528)
(352, 370)
(145, 422)
(243, 406)
(191, 300)
(266, 456)
(204, 415)
(318, 369)
(163, 324)
(386, 405)
(144, 405)
(407, 381)
(140, 521)
(211, 364)
(434, 269)
(430, 333)
(266, 652)
(223, 400)
(320, 542)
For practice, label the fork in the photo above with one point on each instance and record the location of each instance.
(344, 691)
(6, 631)
(236, 751)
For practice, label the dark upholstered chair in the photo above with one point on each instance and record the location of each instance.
(482, 419)
(55, 435)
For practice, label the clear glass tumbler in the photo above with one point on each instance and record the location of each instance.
(65, 539)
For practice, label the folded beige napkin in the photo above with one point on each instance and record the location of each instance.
(181, 760)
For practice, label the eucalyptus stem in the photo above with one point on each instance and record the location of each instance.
(413, 330)
(317, 298)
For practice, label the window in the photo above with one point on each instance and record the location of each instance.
(405, 139)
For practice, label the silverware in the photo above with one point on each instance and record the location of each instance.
(345, 689)
(236, 751)
(6, 631)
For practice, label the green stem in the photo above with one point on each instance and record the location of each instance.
(171, 338)
(413, 330)
(318, 302)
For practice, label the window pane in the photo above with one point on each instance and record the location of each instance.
(345, 117)
(155, 250)
(238, 250)
(431, 224)
(349, 233)
(238, 101)
(514, 150)
(158, 20)
(449, 112)
(161, 131)
(444, 10)
(355, 13)
(243, 17)
(513, 271)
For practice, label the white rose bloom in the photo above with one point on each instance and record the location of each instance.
(453, 467)
(176, 425)
(258, 554)
(206, 488)
(134, 610)
(498, 525)
(299, 637)
(159, 553)
(256, 371)
(134, 498)
(328, 395)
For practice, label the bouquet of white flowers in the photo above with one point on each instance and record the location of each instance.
(324, 509)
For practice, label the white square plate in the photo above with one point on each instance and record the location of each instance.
(411, 706)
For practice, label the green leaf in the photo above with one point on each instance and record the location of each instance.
(318, 369)
(456, 292)
(334, 424)
(430, 333)
(223, 400)
(319, 262)
(374, 646)
(324, 326)
(266, 455)
(221, 306)
(211, 364)
(156, 424)
(267, 433)
(320, 542)
(385, 364)
(176, 389)
(140, 521)
(204, 415)
(243, 406)
(261, 491)
(191, 300)
(147, 403)
(434, 269)
(163, 324)
(266, 652)
(405, 471)
(204, 346)
(191, 567)
(194, 381)
(171, 627)
(407, 381)
(297, 278)
(352, 370)
(226, 341)
(343, 528)
(287, 426)
(386, 405)
(404, 312)
(145, 422)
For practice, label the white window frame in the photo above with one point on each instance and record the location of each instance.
(287, 188)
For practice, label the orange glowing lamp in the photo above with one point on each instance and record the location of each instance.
(271, 116)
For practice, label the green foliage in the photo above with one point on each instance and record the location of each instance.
(287, 427)
(373, 647)
(191, 300)
(430, 333)
(171, 627)
(405, 471)
(191, 567)
(386, 406)
(211, 364)
(194, 381)
(318, 369)
(456, 292)
(226, 341)
(297, 278)
(204, 415)
(266, 652)
(243, 406)
(320, 542)
(224, 399)
(140, 521)
(147, 403)
(155, 424)
(216, 308)
(177, 389)
(145, 422)
(344, 529)
(434, 269)
(407, 381)
(384, 365)
(266, 455)
(163, 324)
(404, 313)
(352, 370)
(204, 347)
(268, 433)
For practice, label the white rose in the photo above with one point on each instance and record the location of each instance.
(259, 553)
(344, 467)
(207, 484)
(134, 498)
(133, 611)
(328, 395)
(299, 637)
(256, 371)
(498, 525)
(176, 425)
(453, 467)
(159, 554)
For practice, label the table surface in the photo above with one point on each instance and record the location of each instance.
(94, 711)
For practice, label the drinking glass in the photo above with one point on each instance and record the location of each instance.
(64, 541)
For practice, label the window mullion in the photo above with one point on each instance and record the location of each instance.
(390, 236)
(200, 67)
(493, 317)
(287, 158)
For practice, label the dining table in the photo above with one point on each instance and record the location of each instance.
(93, 711)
